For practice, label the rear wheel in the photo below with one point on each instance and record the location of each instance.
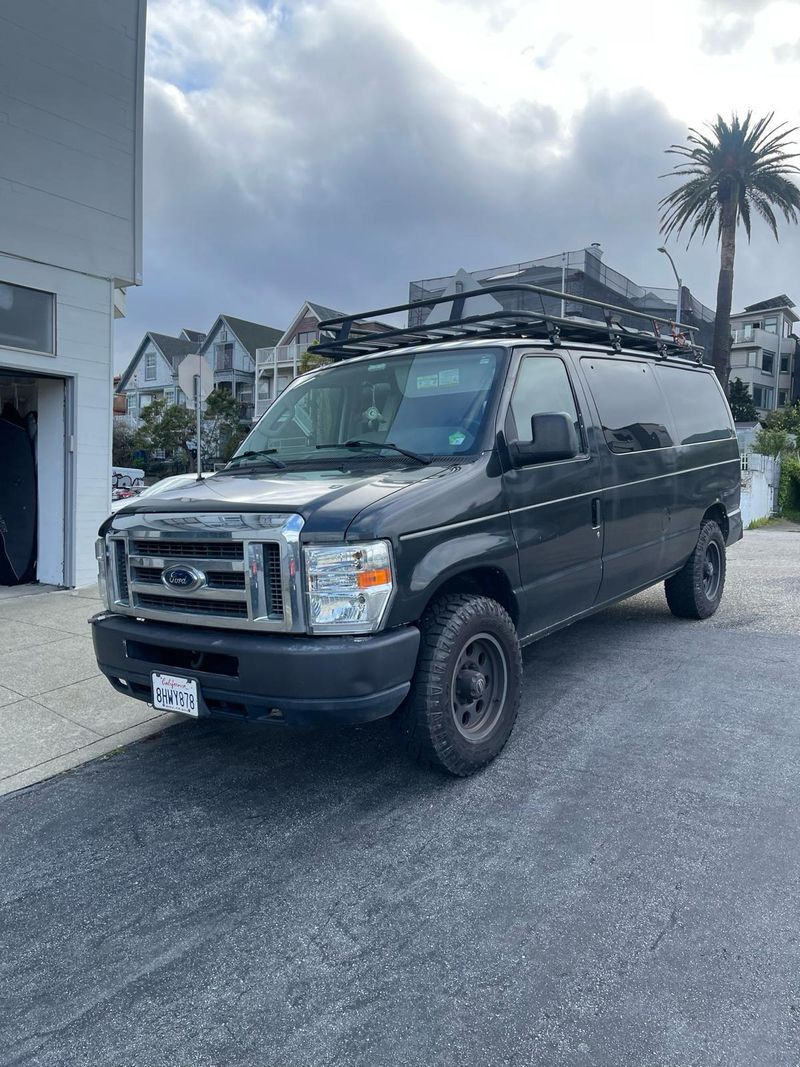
(696, 590)
(465, 692)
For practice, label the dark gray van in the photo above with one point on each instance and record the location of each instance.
(399, 524)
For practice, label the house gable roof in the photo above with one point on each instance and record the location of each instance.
(308, 308)
(323, 313)
(251, 335)
(173, 349)
(193, 335)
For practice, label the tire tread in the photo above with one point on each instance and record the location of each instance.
(420, 719)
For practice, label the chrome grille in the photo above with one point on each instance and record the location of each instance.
(187, 549)
(248, 568)
(121, 570)
(272, 580)
(223, 608)
(214, 579)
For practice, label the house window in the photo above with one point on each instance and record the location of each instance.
(149, 366)
(767, 362)
(27, 318)
(783, 398)
(307, 337)
(223, 334)
(771, 324)
(746, 332)
(762, 396)
(784, 364)
(132, 398)
(223, 356)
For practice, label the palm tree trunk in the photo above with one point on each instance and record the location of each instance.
(721, 349)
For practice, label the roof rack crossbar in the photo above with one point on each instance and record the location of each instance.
(349, 341)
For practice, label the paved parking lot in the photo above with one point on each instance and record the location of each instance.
(620, 887)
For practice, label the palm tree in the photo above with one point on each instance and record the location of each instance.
(736, 167)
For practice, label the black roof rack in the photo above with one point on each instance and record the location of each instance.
(347, 337)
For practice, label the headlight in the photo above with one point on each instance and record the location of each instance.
(101, 553)
(348, 586)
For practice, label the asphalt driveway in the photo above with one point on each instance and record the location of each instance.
(621, 887)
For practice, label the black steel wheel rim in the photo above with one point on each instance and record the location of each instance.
(479, 687)
(712, 570)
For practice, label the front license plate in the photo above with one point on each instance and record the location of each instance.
(171, 693)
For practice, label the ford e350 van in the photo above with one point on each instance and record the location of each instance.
(400, 523)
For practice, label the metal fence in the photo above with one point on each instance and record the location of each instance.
(578, 273)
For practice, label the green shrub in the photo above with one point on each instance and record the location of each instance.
(789, 488)
(773, 443)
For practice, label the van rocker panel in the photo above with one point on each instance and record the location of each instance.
(310, 681)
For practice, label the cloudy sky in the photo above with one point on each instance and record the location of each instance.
(337, 149)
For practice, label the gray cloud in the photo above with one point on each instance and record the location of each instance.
(720, 38)
(787, 53)
(730, 24)
(341, 174)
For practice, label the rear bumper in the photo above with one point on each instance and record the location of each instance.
(282, 679)
(735, 528)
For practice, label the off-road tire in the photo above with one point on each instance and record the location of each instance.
(455, 628)
(694, 592)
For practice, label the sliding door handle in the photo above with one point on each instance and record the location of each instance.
(597, 513)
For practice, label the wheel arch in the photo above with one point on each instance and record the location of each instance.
(485, 580)
(718, 513)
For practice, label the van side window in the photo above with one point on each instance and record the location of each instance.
(698, 409)
(631, 408)
(542, 386)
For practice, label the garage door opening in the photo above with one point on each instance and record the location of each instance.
(33, 480)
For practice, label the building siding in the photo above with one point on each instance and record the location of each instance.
(70, 142)
(84, 305)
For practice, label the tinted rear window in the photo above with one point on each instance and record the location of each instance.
(630, 404)
(698, 410)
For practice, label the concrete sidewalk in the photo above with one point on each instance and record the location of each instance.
(56, 709)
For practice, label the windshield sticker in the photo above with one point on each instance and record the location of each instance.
(457, 438)
(427, 381)
(440, 380)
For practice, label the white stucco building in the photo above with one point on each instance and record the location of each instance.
(70, 243)
(764, 352)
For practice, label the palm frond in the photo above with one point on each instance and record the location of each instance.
(744, 161)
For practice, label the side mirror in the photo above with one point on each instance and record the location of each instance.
(553, 438)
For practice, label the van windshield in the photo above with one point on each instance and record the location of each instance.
(429, 403)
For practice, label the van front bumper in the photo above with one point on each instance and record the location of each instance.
(276, 678)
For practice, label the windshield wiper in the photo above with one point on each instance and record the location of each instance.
(266, 453)
(380, 444)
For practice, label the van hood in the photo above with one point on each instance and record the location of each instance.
(328, 500)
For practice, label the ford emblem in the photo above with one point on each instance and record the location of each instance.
(180, 577)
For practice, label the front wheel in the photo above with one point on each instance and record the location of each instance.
(465, 692)
(696, 590)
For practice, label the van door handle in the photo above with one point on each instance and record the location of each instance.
(596, 513)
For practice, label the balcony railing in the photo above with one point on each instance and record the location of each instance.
(759, 338)
(279, 354)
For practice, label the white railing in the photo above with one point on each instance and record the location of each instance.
(280, 354)
(759, 338)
